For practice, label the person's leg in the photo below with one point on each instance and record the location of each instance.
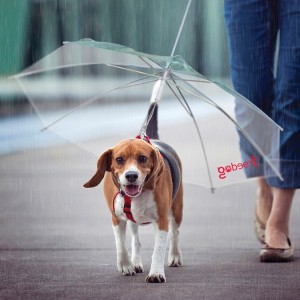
(286, 112)
(277, 227)
(263, 206)
(252, 30)
(264, 200)
(286, 105)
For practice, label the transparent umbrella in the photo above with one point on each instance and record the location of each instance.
(95, 94)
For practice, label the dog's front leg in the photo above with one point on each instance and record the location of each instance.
(136, 248)
(157, 272)
(123, 260)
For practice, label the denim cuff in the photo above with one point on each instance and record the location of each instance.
(290, 171)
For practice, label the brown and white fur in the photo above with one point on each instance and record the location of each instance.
(138, 169)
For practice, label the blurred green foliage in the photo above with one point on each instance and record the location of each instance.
(13, 22)
(30, 29)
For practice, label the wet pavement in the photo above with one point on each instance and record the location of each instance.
(56, 240)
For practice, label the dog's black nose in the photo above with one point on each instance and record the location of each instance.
(131, 176)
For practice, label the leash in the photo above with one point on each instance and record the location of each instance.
(143, 131)
(159, 85)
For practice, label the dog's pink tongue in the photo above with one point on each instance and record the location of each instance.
(132, 190)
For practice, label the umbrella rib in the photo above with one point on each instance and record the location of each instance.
(198, 133)
(53, 69)
(155, 62)
(257, 148)
(129, 84)
(178, 98)
(76, 65)
(179, 79)
(30, 100)
(199, 96)
(187, 107)
(145, 61)
(235, 94)
(133, 71)
(192, 80)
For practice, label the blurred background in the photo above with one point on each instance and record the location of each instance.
(31, 29)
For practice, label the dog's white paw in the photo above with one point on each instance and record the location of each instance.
(175, 260)
(127, 270)
(155, 278)
(139, 268)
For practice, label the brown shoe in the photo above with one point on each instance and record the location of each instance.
(270, 254)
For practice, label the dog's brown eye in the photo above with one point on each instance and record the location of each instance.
(142, 159)
(120, 160)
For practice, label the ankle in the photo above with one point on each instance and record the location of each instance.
(264, 200)
(276, 235)
(277, 227)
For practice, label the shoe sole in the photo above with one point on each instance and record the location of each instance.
(276, 255)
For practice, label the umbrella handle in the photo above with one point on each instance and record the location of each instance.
(157, 90)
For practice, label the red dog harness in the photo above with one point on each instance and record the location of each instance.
(127, 207)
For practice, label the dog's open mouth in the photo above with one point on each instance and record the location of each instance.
(132, 190)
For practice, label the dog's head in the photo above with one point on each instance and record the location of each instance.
(134, 164)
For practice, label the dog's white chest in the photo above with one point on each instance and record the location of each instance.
(143, 208)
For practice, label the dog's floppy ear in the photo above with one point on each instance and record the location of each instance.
(103, 165)
(157, 170)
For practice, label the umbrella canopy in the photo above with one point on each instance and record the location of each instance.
(95, 94)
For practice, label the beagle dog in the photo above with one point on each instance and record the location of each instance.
(142, 185)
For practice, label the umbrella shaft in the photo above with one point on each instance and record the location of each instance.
(181, 27)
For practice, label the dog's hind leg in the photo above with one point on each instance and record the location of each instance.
(175, 256)
(136, 248)
(124, 263)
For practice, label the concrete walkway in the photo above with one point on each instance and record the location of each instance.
(56, 240)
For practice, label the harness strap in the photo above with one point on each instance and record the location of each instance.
(145, 138)
(127, 207)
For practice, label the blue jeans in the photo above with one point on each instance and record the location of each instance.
(252, 27)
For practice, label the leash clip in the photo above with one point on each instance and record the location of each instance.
(143, 136)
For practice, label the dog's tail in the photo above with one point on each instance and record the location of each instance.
(152, 117)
